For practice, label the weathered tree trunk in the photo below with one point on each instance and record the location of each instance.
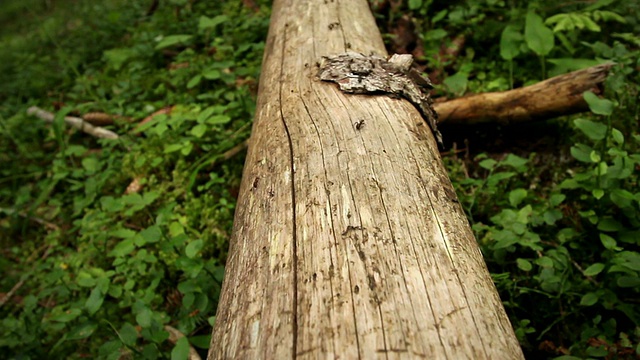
(349, 241)
(560, 95)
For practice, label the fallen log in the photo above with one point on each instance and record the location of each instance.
(349, 241)
(560, 95)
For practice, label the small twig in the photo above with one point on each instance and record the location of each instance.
(76, 122)
(47, 224)
(8, 296)
(232, 152)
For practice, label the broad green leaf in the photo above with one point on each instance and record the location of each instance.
(118, 57)
(212, 74)
(607, 241)
(594, 130)
(66, 316)
(95, 300)
(516, 196)
(597, 193)
(194, 81)
(415, 4)
(124, 247)
(628, 281)
(457, 83)
(510, 41)
(82, 331)
(597, 105)
(524, 265)
(218, 119)
(514, 161)
(622, 198)
(539, 38)
(173, 148)
(151, 234)
(205, 22)
(128, 334)
(581, 152)
(201, 341)
(589, 299)
(556, 199)
(173, 40)
(143, 318)
(192, 249)
(181, 350)
(609, 224)
(488, 164)
(617, 135)
(594, 269)
(199, 130)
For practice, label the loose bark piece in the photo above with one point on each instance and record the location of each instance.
(348, 239)
(360, 74)
(78, 123)
(560, 95)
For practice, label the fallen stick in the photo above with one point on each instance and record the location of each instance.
(78, 123)
(560, 95)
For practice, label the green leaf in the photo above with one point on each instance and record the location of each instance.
(457, 83)
(194, 81)
(589, 299)
(128, 334)
(514, 161)
(539, 38)
(143, 318)
(192, 249)
(516, 196)
(607, 241)
(211, 74)
(151, 234)
(199, 130)
(82, 331)
(609, 224)
(597, 105)
(556, 199)
(628, 281)
(66, 316)
(95, 300)
(594, 269)
(218, 119)
(415, 4)
(582, 152)
(173, 148)
(488, 164)
(597, 193)
(622, 198)
(510, 41)
(181, 350)
(594, 130)
(617, 135)
(201, 341)
(524, 265)
(124, 247)
(205, 23)
(173, 40)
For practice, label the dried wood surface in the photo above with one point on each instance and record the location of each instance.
(348, 240)
(560, 95)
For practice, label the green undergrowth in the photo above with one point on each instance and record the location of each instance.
(109, 246)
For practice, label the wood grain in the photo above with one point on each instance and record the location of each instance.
(349, 242)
